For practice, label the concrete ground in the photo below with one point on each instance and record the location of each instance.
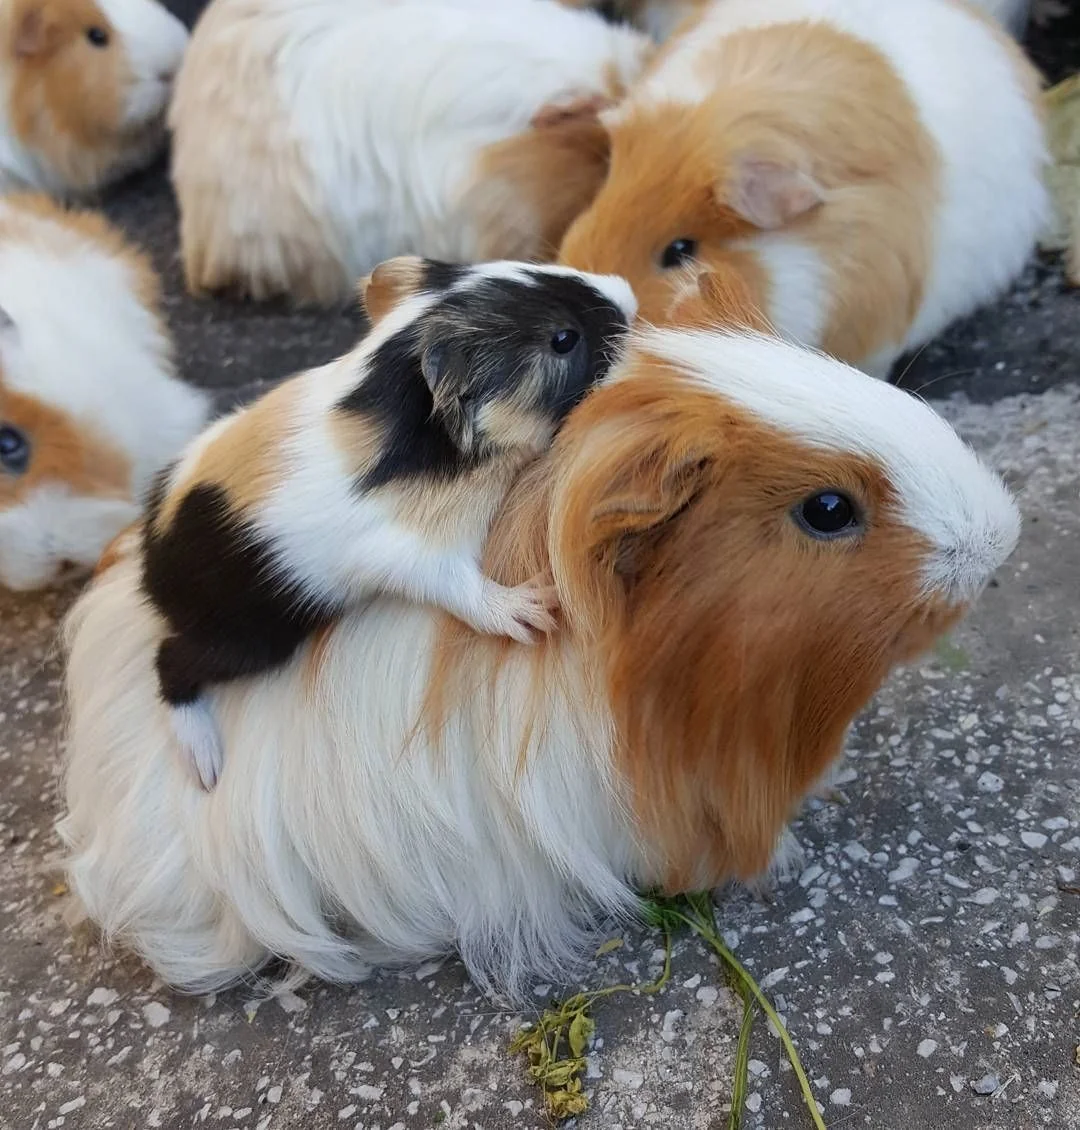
(925, 958)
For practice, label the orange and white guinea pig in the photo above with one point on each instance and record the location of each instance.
(85, 86)
(874, 169)
(89, 406)
(346, 132)
(744, 537)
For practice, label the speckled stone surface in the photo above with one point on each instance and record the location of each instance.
(924, 956)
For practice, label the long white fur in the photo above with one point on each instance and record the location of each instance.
(83, 342)
(148, 44)
(372, 550)
(330, 800)
(973, 103)
(379, 113)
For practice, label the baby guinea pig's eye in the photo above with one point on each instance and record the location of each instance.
(14, 450)
(828, 514)
(97, 36)
(563, 341)
(678, 253)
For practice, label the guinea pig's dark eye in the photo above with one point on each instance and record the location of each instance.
(14, 450)
(678, 252)
(828, 514)
(97, 36)
(563, 341)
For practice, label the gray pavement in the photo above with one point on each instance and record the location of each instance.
(925, 957)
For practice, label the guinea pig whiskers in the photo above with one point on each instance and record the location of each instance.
(939, 378)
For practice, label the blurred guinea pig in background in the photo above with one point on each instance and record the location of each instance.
(89, 406)
(86, 85)
(661, 18)
(874, 170)
(744, 537)
(345, 132)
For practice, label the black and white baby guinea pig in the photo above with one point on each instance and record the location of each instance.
(377, 473)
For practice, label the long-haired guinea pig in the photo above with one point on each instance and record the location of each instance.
(346, 132)
(744, 537)
(89, 407)
(874, 169)
(86, 84)
(379, 472)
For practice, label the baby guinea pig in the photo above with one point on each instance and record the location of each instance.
(873, 169)
(379, 472)
(86, 84)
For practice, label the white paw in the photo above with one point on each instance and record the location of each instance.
(521, 612)
(199, 741)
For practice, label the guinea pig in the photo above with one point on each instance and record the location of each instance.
(403, 448)
(662, 18)
(874, 169)
(744, 537)
(350, 131)
(86, 84)
(89, 407)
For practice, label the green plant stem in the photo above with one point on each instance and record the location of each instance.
(742, 1060)
(703, 923)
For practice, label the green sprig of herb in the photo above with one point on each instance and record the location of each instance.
(696, 911)
(556, 1043)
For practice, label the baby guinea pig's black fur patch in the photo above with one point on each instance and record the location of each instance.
(526, 338)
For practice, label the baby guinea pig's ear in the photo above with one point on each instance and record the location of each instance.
(390, 284)
(769, 193)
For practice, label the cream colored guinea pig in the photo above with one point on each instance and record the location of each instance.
(345, 132)
(85, 86)
(744, 538)
(89, 406)
(875, 170)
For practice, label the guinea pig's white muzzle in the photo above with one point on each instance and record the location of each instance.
(979, 542)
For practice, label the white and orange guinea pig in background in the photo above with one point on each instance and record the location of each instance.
(345, 132)
(85, 89)
(874, 169)
(744, 538)
(379, 472)
(89, 407)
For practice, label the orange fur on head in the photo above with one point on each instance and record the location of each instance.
(63, 450)
(801, 129)
(732, 650)
(530, 188)
(65, 97)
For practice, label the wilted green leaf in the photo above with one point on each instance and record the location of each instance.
(609, 946)
(951, 656)
(581, 1029)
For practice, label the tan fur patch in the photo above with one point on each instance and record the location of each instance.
(734, 650)
(62, 450)
(529, 188)
(245, 459)
(803, 96)
(389, 284)
(722, 299)
(251, 213)
(66, 94)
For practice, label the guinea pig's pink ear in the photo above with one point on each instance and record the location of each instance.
(769, 193)
(36, 32)
(390, 284)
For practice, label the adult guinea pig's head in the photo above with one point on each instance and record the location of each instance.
(686, 190)
(87, 86)
(747, 537)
